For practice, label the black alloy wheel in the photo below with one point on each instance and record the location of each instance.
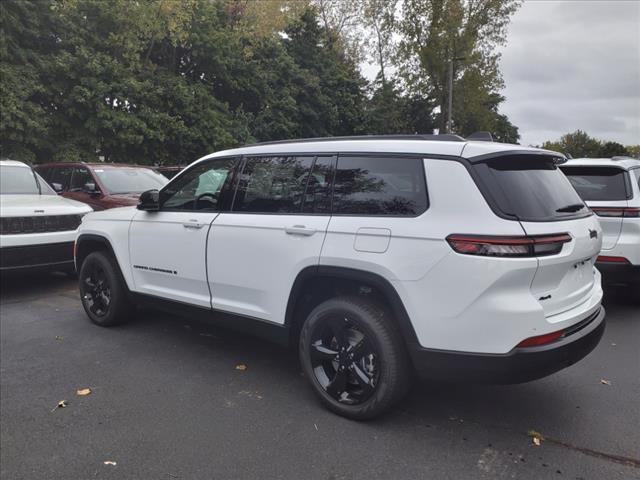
(103, 291)
(97, 291)
(353, 354)
(344, 361)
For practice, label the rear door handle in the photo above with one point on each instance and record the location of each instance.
(193, 224)
(300, 230)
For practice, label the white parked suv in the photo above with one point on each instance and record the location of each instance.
(611, 187)
(377, 256)
(37, 227)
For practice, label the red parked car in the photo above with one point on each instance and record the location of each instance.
(101, 185)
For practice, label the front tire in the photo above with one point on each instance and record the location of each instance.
(354, 357)
(103, 293)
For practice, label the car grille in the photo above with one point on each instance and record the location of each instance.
(41, 224)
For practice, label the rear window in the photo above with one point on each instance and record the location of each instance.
(531, 188)
(598, 183)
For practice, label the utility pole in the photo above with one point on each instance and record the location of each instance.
(450, 93)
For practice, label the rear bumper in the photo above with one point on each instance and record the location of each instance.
(45, 256)
(516, 366)
(618, 273)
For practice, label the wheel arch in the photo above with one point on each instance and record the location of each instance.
(316, 277)
(88, 243)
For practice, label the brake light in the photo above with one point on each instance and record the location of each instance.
(503, 246)
(631, 212)
(541, 339)
(609, 259)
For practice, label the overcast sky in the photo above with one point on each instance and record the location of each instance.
(572, 65)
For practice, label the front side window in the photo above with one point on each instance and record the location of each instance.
(274, 184)
(80, 178)
(21, 180)
(204, 187)
(61, 176)
(392, 186)
(129, 179)
(597, 183)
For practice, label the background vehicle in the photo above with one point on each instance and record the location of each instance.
(169, 171)
(611, 188)
(37, 227)
(377, 256)
(101, 185)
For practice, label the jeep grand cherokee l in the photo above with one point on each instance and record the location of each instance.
(611, 187)
(37, 227)
(376, 256)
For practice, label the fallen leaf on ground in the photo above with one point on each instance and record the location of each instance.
(59, 337)
(61, 404)
(605, 382)
(110, 462)
(83, 392)
(536, 437)
(241, 366)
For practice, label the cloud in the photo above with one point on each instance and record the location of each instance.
(572, 65)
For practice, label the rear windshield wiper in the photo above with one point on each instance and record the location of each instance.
(571, 208)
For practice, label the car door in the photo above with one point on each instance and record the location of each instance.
(275, 229)
(168, 247)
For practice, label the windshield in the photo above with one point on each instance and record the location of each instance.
(531, 188)
(130, 180)
(21, 180)
(598, 183)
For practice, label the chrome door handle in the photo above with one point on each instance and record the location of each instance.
(193, 224)
(300, 230)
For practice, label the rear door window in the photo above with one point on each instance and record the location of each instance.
(598, 183)
(530, 188)
(273, 184)
(378, 185)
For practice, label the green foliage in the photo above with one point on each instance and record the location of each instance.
(436, 34)
(165, 81)
(579, 144)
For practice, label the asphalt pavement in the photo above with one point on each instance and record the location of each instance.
(167, 402)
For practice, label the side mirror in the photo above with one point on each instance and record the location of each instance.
(149, 201)
(57, 187)
(90, 188)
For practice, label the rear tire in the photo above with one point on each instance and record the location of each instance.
(354, 357)
(103, 292)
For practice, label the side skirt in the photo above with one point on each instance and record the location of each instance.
(256, 327)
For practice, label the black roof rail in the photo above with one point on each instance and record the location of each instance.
(443, 138)
(481, 137)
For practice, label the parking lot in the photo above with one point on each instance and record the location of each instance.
(167, 402)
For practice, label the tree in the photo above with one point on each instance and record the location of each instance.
(463, 35)
(579, 144)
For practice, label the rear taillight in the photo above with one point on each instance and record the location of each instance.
(610, 259)
(499, 246)
(625, 212)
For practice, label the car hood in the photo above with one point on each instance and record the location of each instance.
(29, 205)
(125, 199)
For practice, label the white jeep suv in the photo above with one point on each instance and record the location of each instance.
(377, 256)
(611, 187)
(37, 227)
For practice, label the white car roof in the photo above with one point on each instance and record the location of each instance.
(13, 163)
(417, 145)
(624, 162)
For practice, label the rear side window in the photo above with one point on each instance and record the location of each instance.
(273, 184)
(598, 183)
(371, 185)
(636, 172)
(530, 188)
